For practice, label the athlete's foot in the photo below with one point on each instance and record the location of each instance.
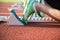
(25, 21)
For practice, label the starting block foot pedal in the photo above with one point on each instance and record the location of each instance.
(13, 21)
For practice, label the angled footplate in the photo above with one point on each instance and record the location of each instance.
(13, 19)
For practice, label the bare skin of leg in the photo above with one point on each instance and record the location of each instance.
(54, 13)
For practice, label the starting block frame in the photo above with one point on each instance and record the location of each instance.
(13, 19)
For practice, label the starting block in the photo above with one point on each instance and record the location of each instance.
(13, 19)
